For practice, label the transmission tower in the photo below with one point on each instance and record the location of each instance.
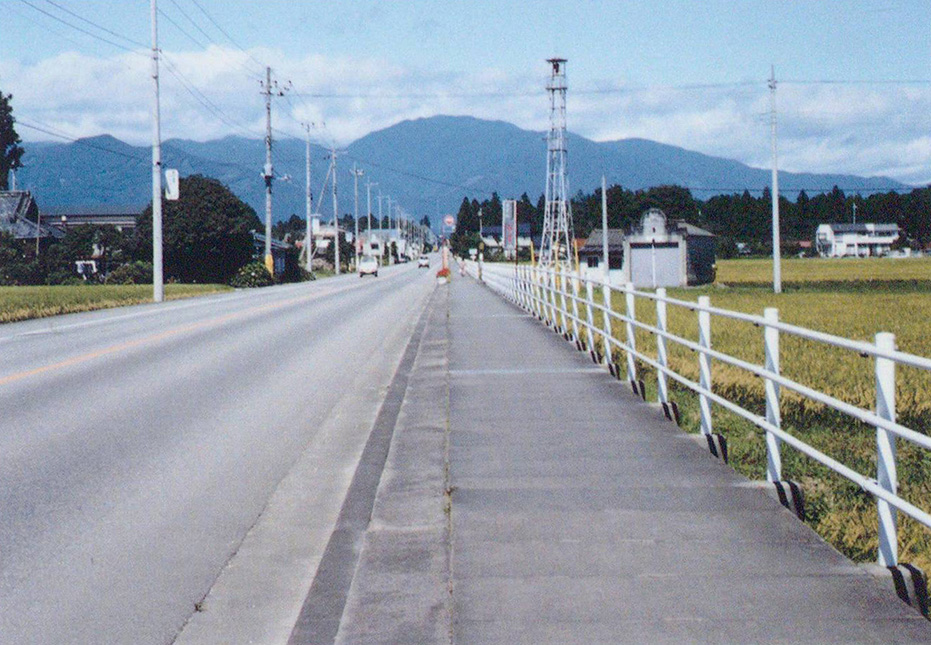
(556, 245)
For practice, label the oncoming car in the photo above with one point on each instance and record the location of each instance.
(423, 262)
(368, 265)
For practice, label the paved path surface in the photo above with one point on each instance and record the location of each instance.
(579, 515)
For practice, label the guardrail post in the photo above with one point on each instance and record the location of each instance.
(773, 415)
(535, 292)
(574, 280)
(589, 299)
(528, 290)
(631, 338)
(606, 320)
(661, 357)
(551, 295)
(704, 363)
(564, 310)
(885, 451)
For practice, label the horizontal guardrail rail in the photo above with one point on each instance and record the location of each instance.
(565, 301)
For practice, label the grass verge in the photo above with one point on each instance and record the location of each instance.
(24, 303)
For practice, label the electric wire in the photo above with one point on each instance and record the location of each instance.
(225, 33)
(181, 29)
(81, 29)
(49, 130)
(97, 25)
(191, 20)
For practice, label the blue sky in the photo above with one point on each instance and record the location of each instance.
(682, 72)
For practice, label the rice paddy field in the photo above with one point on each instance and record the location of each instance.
(23, 303)
(850, 298)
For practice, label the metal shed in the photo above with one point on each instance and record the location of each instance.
(661, 254)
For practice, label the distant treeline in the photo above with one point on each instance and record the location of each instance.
(733, 218)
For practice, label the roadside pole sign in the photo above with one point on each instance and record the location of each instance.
(172, 185)
(509, 226)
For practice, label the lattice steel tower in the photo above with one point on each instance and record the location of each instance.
(556, 244)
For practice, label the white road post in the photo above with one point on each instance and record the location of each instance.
(551, 295)
(606, 320)
(886, 451)
(661, 356)
(704, 363)
(589, 299)
(773, 415)
(563, 290)
(574, 281)
(631, 337)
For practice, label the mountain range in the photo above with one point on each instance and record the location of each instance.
(427, 165)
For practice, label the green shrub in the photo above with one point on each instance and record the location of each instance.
(133, 273)
(251, 275)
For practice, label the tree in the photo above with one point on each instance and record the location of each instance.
(207, 233)
(10, 151)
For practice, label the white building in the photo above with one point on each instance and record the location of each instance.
(855, 240)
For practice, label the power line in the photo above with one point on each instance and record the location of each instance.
(181, 29)
(916, 81)
(49, 130)
(98, 26)
(225, 33)
(191, 20)
(81, 29)
(524, 93)
(201, 98)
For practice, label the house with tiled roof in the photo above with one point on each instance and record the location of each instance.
(19, 215)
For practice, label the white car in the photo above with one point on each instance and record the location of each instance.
(423, 262)
(368, 265)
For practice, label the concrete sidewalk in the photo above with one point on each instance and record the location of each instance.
(578, 514)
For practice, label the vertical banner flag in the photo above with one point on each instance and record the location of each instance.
(509, 225)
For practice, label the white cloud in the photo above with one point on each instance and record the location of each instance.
(861, 129)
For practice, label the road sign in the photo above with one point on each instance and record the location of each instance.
(173, 185)
(449, 221)
(509, 225)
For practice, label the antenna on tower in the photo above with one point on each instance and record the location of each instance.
(556, 243)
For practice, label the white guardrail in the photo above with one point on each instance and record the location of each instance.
(541, 293)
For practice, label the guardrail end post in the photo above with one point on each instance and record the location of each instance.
(886, 451)
(631, 337)
(662, 390)
(773, 414)
(704, 364)
(911, 586)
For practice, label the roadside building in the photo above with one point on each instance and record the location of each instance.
(279, 251)
(855, 240)
(673, 254)
(122, 218)
(591, 256)
(19, 217)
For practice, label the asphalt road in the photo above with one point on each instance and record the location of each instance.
(140, 445)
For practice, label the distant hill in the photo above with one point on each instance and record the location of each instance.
(427, 164)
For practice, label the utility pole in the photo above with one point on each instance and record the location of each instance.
(158, 288)
(777, 268)
(368, 186)
(379, 210)
(269, 89)
(855, 212)
(335, 212)
(308, 233)
(604, 229)
(356, 173)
